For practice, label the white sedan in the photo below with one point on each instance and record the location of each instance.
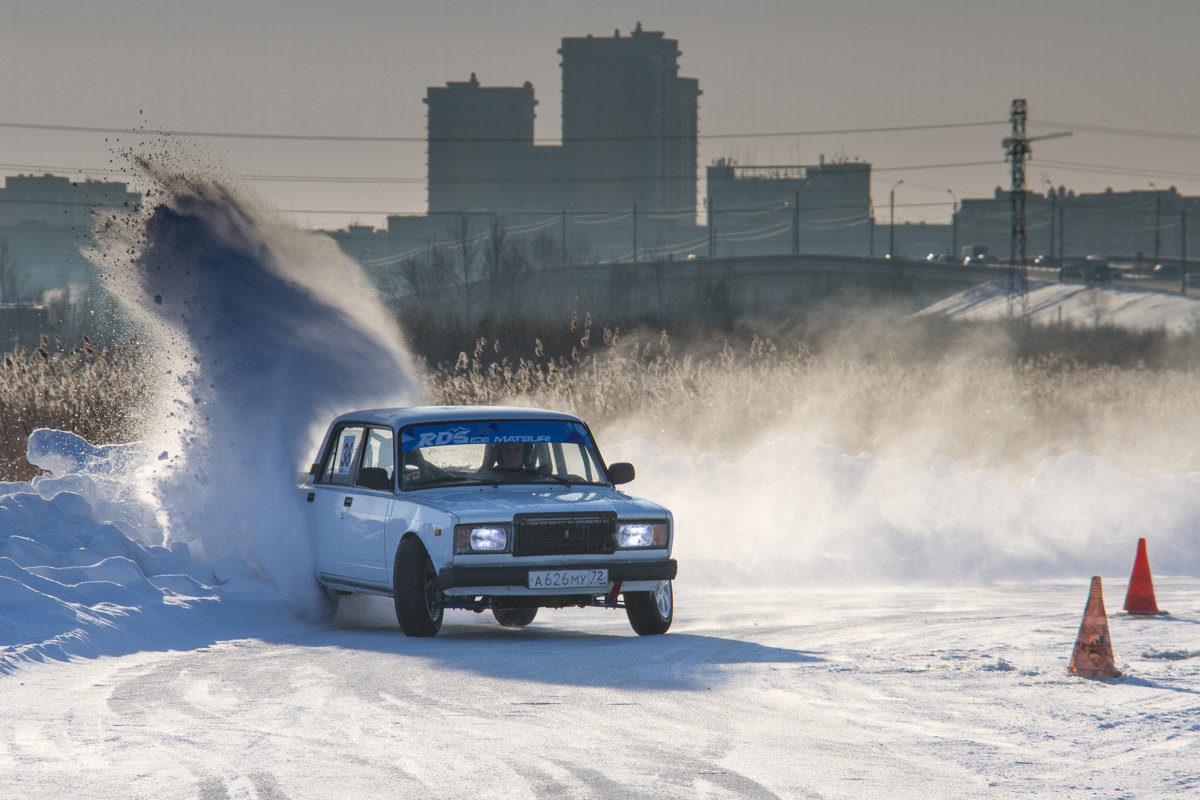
(484, 508)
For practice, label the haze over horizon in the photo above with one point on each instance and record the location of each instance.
(773, 75)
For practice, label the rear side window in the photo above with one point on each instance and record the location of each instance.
(342, 459)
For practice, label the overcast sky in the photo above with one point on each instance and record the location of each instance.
(360, 68)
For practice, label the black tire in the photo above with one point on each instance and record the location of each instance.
(414, 590)
(650, 613)
(514, 617)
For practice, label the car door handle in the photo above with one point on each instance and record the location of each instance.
(348, 501)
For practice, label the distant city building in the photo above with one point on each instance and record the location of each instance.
(629, 136)
(630, 121)
(47, 220)
(1142, 224)
(824, 208)
(482, 156)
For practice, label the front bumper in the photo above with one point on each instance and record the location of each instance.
(504, 575)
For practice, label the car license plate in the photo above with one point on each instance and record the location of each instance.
(568, 579)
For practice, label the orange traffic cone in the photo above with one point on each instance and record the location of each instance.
(1139, 599)
(1093, 655)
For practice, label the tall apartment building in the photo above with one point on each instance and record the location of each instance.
(629, 135)
(630, 121)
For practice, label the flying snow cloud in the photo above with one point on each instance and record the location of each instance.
(265, 332)
(259, 333)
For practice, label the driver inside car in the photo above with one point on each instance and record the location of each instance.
(506, 455)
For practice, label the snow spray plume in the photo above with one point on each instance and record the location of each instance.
(940, 464)
(264, 333)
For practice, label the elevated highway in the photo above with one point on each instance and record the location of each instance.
(727, 288)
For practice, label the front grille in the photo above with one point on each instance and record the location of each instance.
(565, 534)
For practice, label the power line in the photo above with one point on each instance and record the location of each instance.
(306, 137)
(1118, 170)
(1109, 129)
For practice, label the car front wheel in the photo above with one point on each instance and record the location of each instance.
(650, 613)
(414, 590)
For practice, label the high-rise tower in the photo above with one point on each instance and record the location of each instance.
(630, 121)
(480, 138)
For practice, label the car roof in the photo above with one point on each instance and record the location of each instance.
(399, 417)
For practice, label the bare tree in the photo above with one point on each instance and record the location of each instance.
(504, 261)
(11, 290)
(465, 245)
(546, 251)
(494, 253)
(425, 276)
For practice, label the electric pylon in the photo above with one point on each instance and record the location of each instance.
(1017, 150)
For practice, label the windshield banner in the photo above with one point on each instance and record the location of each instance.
(525, 431)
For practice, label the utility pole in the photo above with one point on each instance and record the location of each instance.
(1183, 251)
(953, 227)
(796, 223)
(1157, 223)
(712, 222)
(1052, 196)
(563, 247)
(892, 220)
(635, 231)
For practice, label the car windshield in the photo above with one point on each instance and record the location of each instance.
(498, 452)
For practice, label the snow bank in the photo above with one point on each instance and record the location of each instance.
(1078, 304)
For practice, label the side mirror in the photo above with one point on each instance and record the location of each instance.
(620, 472)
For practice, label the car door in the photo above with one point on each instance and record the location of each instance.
(365, 508)
(327, 499)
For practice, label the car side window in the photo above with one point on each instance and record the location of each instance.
(341, 461)
(378, 461)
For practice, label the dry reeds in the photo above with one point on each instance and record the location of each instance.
(92, 391)
(981, 403)
(987, 395)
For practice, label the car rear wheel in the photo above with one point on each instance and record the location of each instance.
(650, 613)
(414, 590)
(327, 602)
(514, 617)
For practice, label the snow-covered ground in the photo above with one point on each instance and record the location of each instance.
(1051, 302)
(845, 626)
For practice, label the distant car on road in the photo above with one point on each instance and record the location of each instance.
(1093, 269)
(483, 508)
(1165, 271)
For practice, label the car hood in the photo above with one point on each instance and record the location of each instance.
(487, 504)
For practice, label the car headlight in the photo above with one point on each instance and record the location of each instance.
(481, 538)
(643, 534)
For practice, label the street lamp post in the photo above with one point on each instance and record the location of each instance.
(892, 220)
(953, 226)
(635, 231)
(796, 223)
(1157, 222)
(1053, 195)
(710, 205)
